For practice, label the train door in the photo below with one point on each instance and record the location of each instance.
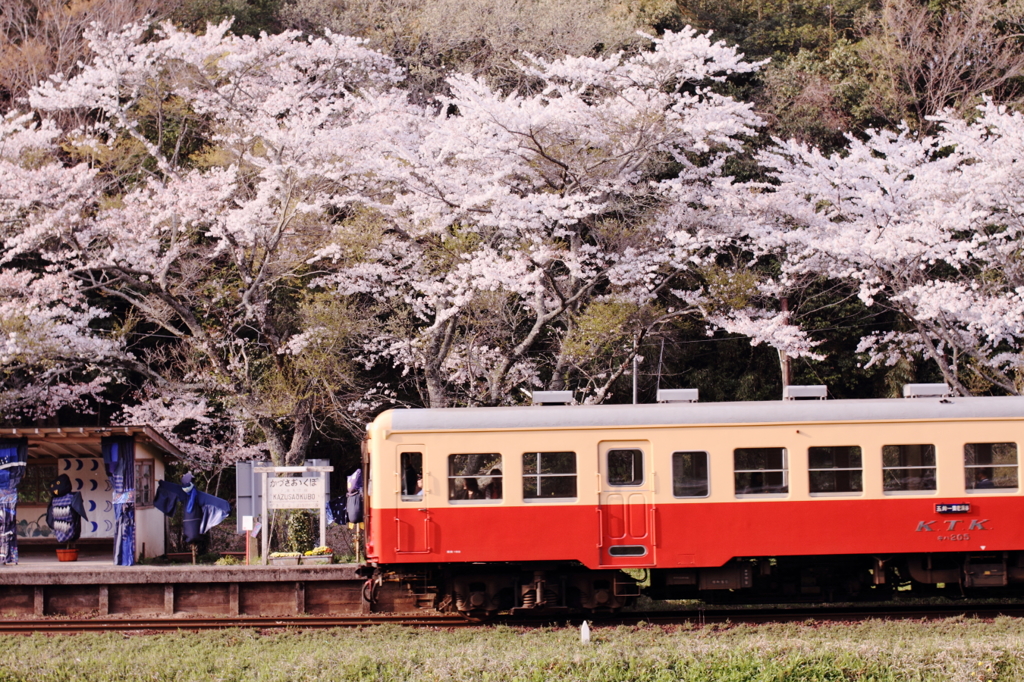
(625, 503)
(412, 516)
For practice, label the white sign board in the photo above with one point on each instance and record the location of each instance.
(295, 493)
(307, 492)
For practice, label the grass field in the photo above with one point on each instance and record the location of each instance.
(954, 649)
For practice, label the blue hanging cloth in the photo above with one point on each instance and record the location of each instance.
(119, 461)
(201, 511)
(13, 458)
(337, 510)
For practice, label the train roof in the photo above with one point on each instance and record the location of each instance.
(692, 414)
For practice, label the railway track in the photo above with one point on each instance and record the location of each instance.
(157, 624)
(666, 618)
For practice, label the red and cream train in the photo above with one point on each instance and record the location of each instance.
(538, 507)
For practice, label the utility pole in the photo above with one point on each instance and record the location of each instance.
(783, 358)
(636, 364)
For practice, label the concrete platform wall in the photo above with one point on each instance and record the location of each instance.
(193, 590)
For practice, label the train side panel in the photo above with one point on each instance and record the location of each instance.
(662, 530)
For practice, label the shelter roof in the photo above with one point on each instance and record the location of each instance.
(83, 441)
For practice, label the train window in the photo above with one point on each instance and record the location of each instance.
(625, 467)
(690, 474)
(549, 475)
(835, 469)
(412, 476)
(989, 466)
(474, 477)
(908, 468)
(760, 471)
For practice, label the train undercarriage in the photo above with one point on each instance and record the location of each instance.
(487, 589)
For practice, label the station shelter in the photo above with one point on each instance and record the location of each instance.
(114, 468)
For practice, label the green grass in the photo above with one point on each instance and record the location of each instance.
(955, 649)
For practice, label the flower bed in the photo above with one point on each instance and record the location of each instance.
(320, 555)
(285, 558)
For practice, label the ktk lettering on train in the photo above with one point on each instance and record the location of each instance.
(953, 530)
(951, 525)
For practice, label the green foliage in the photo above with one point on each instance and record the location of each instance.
(166, 121)
(772, 28)
(300, 531)
(729, 289)
(816, 99)
(600, 330)
(251, 16)
(838, 319)
(722, 367)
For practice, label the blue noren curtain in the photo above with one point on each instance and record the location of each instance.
(119, 461)
(13, 459)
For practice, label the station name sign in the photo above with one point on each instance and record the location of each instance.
(295, 493)
(953, 508)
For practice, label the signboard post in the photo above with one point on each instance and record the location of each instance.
(290, 492)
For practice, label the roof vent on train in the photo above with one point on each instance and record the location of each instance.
(552, 397)
(677, 395)
(926, 391)
(804, 392)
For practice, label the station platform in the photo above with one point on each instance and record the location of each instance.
(39, 585)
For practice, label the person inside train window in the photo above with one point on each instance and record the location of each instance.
(466, 480)
(990, 466)
(469, 490)
(412, 476)
(492, 491)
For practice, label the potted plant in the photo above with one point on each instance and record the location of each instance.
(319, 555)
(64, 516)
(67, 553)
(285, 558)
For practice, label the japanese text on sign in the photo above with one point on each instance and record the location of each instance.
(295, 493)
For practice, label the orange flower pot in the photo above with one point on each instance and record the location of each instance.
(67, 555)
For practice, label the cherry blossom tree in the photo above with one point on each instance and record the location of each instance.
(54, 350)
(254, 214)
(223, 163)
(529, 240)
(929, 227)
